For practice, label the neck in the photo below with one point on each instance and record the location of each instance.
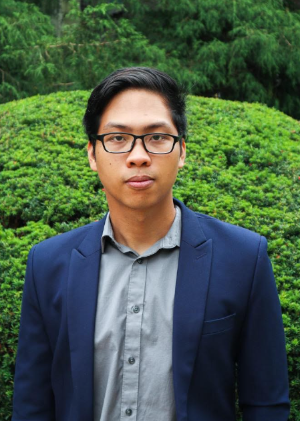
(139, 229)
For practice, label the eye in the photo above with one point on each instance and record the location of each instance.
(160, 137)
(115, 138)
(157, 137)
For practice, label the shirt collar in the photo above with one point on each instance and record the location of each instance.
(170, 240)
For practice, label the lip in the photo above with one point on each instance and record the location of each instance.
(140, 181)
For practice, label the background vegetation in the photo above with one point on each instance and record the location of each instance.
(243, 166)
(247, 50)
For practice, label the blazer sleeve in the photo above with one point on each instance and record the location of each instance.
(262, 361)
(33, 397)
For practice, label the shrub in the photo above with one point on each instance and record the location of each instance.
(243, 166)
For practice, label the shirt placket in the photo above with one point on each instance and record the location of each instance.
(132, 344)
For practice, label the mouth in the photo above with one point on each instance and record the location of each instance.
(140, 182)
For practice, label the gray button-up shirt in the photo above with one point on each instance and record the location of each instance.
(133, 333)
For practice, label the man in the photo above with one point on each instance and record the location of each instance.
(151, 313)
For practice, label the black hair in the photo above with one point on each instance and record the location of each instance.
(134, 77)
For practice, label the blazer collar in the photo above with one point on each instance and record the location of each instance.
(191, 231)
(189, 304)
(92, 241)
(82, 292)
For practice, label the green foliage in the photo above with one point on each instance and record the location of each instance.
(23, 33)
(247, 50)
(243, 166)
(93, 44)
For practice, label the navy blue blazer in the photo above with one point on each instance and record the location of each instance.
(227, 325)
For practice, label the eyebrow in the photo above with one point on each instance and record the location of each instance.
(149, 127)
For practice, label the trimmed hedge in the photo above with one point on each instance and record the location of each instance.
(243, 166)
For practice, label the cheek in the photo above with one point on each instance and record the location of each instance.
(168, 174)
(172, 168)
(108, 168)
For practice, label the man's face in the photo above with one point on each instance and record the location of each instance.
(137, 111)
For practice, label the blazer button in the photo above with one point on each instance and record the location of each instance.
(128, 412)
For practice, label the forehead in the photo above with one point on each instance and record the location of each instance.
(136, 108)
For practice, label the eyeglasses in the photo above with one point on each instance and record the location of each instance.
(155, 143)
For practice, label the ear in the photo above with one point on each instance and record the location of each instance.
(182, 154)
(91, 156)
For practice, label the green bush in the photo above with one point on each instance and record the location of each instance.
(243, 166)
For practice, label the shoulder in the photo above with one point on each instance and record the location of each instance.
(233, 239)
(59, 247)
(71, 238)
(198, 227)
(215, 226)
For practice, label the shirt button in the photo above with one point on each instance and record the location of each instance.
(135, 309)
(140, 261)
(131, 360)
(128, 412)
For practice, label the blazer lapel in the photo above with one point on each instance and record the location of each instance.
(81, 310)
(189, 304)
(189, 308)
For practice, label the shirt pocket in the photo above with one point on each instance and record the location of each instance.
(212, 327)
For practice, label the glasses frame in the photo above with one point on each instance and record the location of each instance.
(100, 137)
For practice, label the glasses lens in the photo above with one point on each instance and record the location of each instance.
(159, 142)
(118, 142)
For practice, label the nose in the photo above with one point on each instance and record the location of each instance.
(138, 156)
